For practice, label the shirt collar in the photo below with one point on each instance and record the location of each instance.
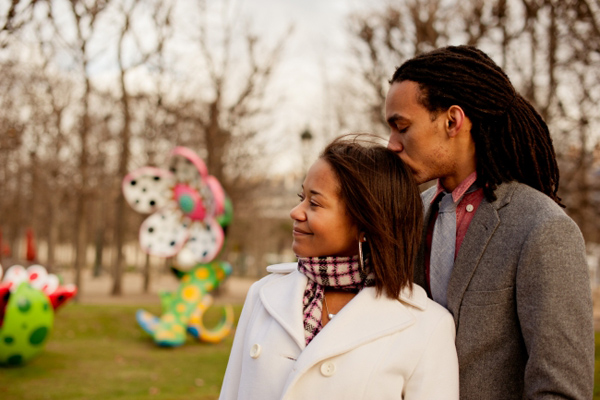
(459, 191)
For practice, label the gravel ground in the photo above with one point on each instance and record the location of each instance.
(96, 290)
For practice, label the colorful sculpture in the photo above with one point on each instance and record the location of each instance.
(28, 298)
(188, 212)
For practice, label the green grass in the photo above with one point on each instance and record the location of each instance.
(99, 352)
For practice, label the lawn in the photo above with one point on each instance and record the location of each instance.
(99, 352)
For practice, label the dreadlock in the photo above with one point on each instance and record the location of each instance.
(512, 141)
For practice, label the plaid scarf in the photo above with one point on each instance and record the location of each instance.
(334, 272)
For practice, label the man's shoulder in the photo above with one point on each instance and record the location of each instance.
(525, 199)
(533, 212)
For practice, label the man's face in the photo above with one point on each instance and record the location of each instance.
(418, 137)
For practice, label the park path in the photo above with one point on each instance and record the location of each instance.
(96, 290)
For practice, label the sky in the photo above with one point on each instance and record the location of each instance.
(316, 52)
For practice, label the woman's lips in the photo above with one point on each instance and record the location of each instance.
(300, 232)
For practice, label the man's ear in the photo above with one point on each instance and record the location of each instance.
(455, 118)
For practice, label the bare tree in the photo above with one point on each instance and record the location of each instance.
(86, 129)
(85, 14)
(549, 49)
(126, 104)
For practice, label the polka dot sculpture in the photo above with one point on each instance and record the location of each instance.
(183, 310)
(184, 203)
(188, 210)
(26, 327)
(28, 298)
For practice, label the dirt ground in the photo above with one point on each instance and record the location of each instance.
(96, 290)
(596, 299)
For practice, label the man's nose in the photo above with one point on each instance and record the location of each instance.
(394, 144)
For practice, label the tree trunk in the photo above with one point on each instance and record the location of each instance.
(120, 204)
(81, 208)
(146, 287)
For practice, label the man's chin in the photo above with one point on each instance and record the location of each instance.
(419, 178)
(423, 180)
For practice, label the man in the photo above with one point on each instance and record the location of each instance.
(499, 252)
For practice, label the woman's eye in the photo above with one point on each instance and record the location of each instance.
(312, 203)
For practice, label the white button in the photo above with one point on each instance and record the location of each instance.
(255, 351)
(328, 368)
(470, 207)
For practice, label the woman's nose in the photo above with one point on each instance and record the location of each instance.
(297, 213)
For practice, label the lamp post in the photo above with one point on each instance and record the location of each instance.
(306, 138)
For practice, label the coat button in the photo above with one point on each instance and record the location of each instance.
(255, 351)
(328, 368)
(470, 207)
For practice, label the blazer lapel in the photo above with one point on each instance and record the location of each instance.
(282, 298)
(482, 227)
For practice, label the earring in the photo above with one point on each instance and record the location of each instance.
(360, 253)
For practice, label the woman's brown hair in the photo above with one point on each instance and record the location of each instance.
(382, 198)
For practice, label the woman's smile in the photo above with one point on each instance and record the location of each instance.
(300, 232)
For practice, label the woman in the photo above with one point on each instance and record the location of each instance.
(346, 321)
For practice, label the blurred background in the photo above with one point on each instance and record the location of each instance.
(91, 90)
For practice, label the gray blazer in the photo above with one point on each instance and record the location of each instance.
(520, 296)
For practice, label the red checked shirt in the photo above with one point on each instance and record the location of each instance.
(464, 214)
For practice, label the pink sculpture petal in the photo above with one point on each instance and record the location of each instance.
(52, 284)
(147, 189)
(205, 241)
(186, 171)
(38, 276)
(14, 276)
(218, 195)
(164, 233)
(192, 157)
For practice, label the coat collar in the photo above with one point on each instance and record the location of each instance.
(366, 318)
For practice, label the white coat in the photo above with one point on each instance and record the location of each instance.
(374, 348)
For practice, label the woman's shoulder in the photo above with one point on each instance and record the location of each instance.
(422, 305)
(283, 268)
(276, 271)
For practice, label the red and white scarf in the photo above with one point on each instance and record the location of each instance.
(335, 272)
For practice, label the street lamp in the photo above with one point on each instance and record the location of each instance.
(306, 138)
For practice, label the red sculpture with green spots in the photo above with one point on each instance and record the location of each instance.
(28, 299)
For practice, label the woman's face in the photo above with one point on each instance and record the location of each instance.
(321, 225)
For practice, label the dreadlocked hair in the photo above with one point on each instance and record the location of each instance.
(512, 141)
